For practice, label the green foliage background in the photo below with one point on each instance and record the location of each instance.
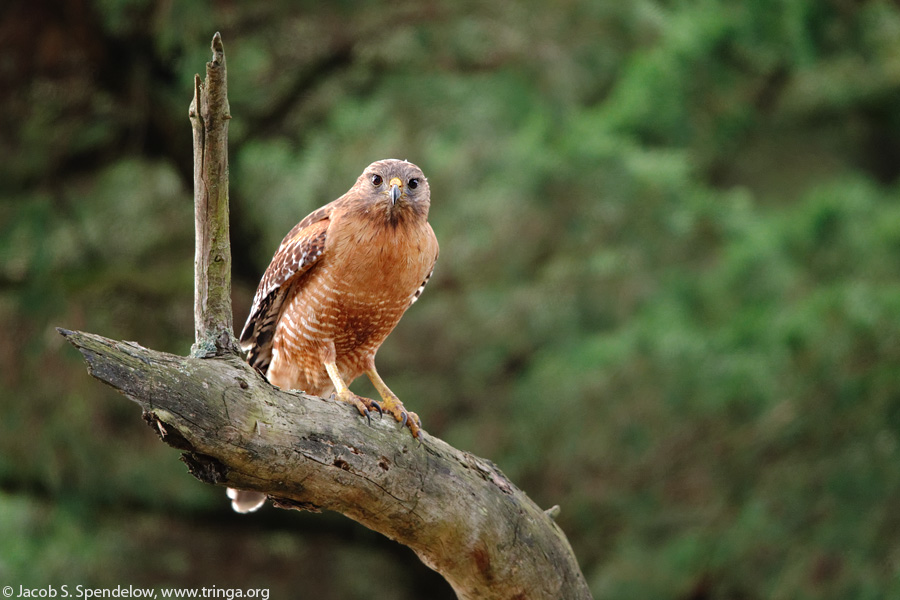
(668, 297)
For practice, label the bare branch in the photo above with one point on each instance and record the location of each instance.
(458, 512)
(209, 114)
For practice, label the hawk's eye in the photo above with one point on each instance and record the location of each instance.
(376, 180)
(413, 183)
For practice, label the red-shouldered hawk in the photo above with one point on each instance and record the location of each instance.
(337, 286)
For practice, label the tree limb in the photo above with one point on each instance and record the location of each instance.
(458, 512)
(209, 113)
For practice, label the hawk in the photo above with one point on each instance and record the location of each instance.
(337, 286)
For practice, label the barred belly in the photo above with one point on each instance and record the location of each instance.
(324, 313)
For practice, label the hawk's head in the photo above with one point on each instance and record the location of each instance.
(394, 189)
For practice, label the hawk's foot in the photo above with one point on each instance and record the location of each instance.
(391, 405)
(365, 406)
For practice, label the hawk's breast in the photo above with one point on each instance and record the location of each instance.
(353, 297)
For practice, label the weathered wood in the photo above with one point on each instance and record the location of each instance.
(458, 512)
(209, 113)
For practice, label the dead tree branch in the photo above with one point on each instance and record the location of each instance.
(210, 113)
(458, 512)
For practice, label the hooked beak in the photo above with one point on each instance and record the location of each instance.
(396, 190)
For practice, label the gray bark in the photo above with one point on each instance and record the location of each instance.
(209, 114)
(458, 512)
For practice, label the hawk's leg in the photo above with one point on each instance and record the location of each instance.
(391, 403)
(343, 393)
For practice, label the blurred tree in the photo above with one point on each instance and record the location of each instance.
(670, 246)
